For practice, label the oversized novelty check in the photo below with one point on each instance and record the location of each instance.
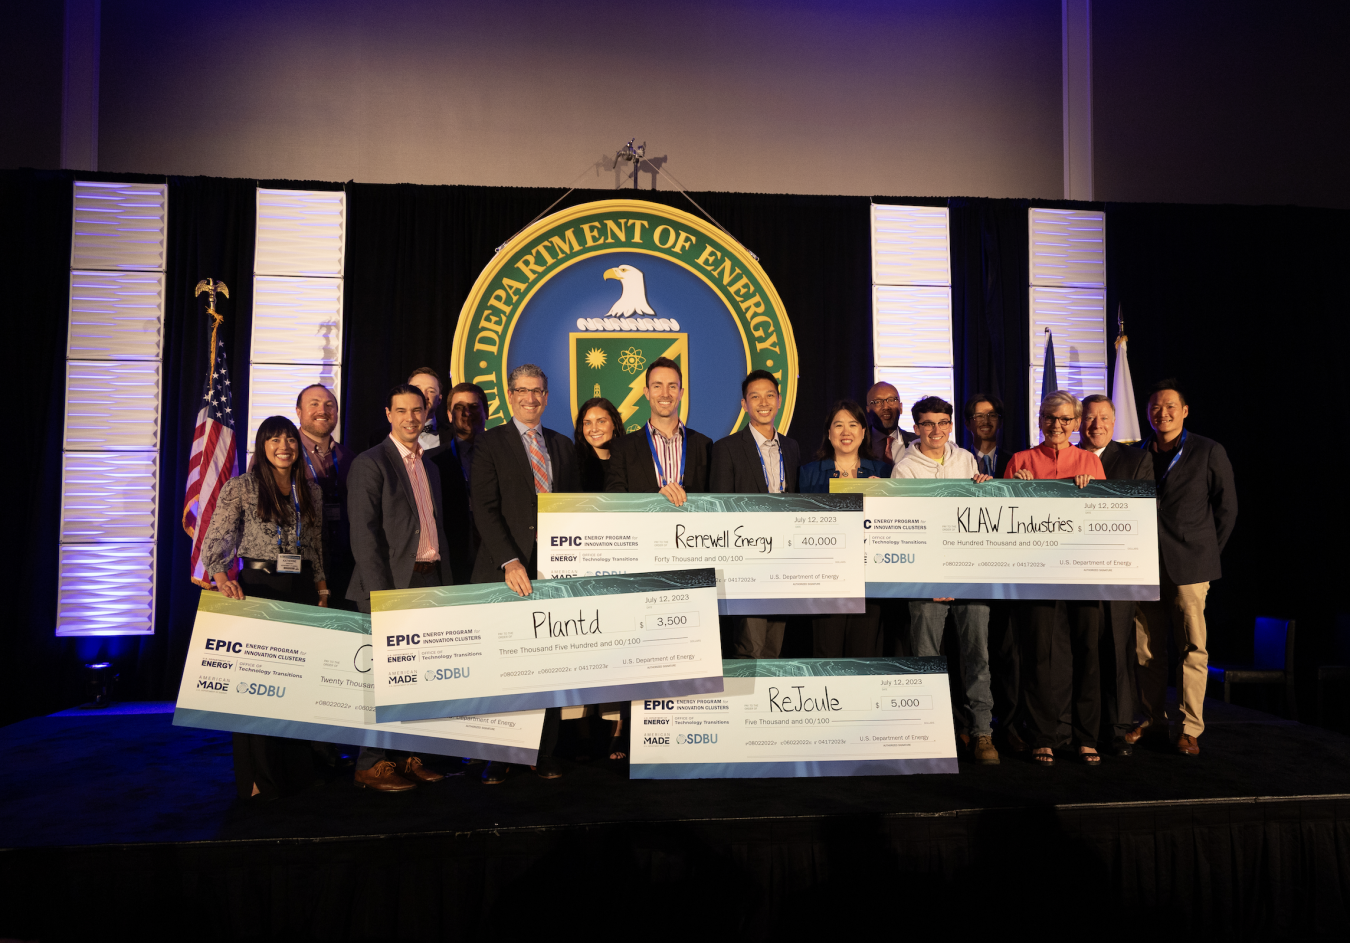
(803, 717)
(467, 649)
(1009, 539)
(266, 667)
(774, 553)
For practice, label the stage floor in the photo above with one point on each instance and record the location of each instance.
(96, 778)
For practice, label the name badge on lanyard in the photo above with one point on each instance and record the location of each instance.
(782, 471)
(661, 479)
(290, 562)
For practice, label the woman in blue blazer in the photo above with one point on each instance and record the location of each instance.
(841, 454)
(847, 439)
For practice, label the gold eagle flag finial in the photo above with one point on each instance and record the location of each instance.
(211, 286)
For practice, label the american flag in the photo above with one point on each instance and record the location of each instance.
(212, 462)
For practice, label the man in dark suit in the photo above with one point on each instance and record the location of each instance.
(398, 542)
(884, 409)
(756, 460)
(668, 457)
(512, 465)
(984, 419)
(453, 458)
(1197, 508)
(1118, 658)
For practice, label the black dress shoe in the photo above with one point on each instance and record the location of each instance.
(1121, 747)
(495, 773)
(548, 768)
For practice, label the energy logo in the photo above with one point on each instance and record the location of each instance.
(685, 290)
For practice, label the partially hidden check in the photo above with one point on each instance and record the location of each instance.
(454, 650)
(773, 553)
(265, 667)
(802, 717)
(1009, 539)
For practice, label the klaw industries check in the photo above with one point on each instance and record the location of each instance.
(452, 650)
(265, 667)
(774, 553)
(1009, 539)
(802, 717)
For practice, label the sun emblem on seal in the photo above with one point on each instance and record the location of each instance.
(632, 360)
(595, 358)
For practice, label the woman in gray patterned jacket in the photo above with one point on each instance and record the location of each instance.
(269, 519)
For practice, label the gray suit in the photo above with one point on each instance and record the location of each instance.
(385, 525)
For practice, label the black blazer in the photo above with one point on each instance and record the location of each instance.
(385, 525)
(505, 506)
(1122, 461)
(1001, 458)
(631, 470)
(460, 533)
(1197, 508)
(736, 466)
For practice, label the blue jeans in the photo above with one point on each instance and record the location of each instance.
(926, 620)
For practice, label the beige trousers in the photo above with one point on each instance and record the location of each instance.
(1180, 610)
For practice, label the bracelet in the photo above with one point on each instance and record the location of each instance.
(325, 592)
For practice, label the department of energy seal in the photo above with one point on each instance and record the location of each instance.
(597, 292)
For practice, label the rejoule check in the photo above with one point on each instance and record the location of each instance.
(1009, 539)
(454, 650)
(276, 668)
(802, 717)
(774, 553)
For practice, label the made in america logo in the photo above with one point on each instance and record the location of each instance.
(597, 292)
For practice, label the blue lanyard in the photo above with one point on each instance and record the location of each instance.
(661, 479)
(782, 472)
(454, 448)
(314, 472)
(295, 502)
(1181, 447)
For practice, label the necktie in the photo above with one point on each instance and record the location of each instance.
(537, 463)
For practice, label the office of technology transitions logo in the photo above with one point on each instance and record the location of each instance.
(597, 292)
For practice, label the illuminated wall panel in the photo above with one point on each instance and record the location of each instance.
(110, 465)
(912, 302)
(297, 300)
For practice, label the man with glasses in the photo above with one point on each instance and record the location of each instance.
(984, 418)
(934, 455)
(883, 412)
(1197, 508)
(1062, 695)
(513, 464)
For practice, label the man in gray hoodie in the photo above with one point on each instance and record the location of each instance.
(934, 455)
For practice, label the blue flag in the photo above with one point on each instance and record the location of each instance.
(1049, 382)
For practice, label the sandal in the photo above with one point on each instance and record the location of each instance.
(618, 748)
(1046, 759)
(1091, 759)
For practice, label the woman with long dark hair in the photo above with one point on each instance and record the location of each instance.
(598, 424)
(270, 520)
(843, 454)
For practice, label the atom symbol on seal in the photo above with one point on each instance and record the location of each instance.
(632, 360)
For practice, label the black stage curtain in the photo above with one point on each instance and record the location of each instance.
(413, 253)
(1246, 307)
(990, 309)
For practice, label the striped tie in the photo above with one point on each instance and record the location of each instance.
(537, 462)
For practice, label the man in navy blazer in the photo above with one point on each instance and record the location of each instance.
(756, 460)
(1197, 508)
(1120, 657)
(398, 542)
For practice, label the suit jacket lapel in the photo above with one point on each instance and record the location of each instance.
(401, 472)
(755, 459)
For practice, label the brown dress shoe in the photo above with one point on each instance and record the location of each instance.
(412, 768)
(982, 751)
(1188, 745)
(382, 777)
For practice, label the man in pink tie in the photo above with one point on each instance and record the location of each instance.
(512, 465)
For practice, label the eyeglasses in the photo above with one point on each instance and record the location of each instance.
(984, 417)
(1057, 420)
(529, 391)
(888, 401)
(467, 408)
(944, 425)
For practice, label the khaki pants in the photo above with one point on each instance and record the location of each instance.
(1180, 609)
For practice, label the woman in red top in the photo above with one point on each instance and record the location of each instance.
(1062, 688)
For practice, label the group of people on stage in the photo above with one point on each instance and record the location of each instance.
(441, 500)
